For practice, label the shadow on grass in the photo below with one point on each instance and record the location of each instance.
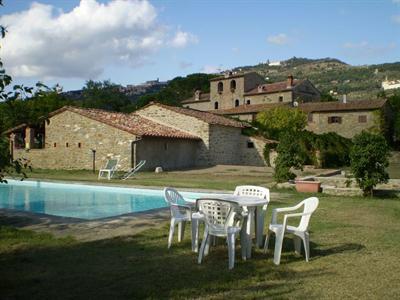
(138, 266)
(387, 194)
(288, 252)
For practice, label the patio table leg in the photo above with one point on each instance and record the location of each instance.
(243, 239)
(260, 215)
(249, 227)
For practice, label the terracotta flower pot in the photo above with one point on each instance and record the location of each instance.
(305, 186)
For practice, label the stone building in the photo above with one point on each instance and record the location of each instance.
(170, 137)
(346, 119)
(235, 90)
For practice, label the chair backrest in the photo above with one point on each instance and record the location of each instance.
(111, 164)
(173, 198)
(252, 191)
(310, 205)
(218, 214)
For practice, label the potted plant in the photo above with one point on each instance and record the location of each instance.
(308, 186)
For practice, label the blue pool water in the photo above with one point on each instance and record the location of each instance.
(78, 200)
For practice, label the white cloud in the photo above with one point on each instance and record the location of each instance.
(211, 69)
(396, 19)
(365, 49)
(279, 39)
(182, 39)
(47, 43)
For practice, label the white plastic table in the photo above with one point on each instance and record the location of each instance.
(254, 206)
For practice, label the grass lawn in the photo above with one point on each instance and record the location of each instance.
(226, 179)
(355, 246)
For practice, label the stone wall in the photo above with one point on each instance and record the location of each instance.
(69, 140)
(350, 125)
(219, 145)
(306, 92)
(224, 148)
(200, 105)
(251, 81)
(252, 156)
(184, 123)
(270, 98)
(170, 154)
(227, 98)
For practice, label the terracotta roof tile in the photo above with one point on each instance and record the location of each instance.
(273, 88)
(207, 117)
(250, 108)
(340, 106)
(132, 123)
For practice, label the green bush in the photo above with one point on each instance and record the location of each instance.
(290, 155)
(369, 158)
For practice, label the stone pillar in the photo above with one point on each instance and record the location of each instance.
(29, 133)
(12, 145)
(28, 137)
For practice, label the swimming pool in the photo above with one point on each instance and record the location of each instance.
(79, 200)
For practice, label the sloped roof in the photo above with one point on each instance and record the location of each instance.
(340, 106)
(250, 108)
(131, 123)
(204, 116)
(275, 87)
(204, 97)
(16, 128)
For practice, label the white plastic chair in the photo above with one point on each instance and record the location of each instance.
(258, 192)
(180, 214)
(223, 219)
(300, 232)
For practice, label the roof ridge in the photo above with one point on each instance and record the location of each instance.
(214, 119)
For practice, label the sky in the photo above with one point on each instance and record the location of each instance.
(131, 41)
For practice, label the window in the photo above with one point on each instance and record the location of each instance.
(280, 98)
(250, 144)
(79, 145)
(248, 102)
(334, 119)
(233, 85)
(362, 119)
(236, 102)
(216, 105)
(55, 145)
(310, 118)
(66, 145)
(220, 87)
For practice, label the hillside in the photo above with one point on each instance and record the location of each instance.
(329, 74)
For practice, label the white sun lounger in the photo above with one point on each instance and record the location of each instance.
(134, 170)
(109, 169)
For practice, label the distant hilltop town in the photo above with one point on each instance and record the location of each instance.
(390, 84)
(131, 90)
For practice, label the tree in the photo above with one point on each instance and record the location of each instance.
(369, 158)
(290, 155)
(281, 119)
(6, 163)
(104, 95)
(178, 89)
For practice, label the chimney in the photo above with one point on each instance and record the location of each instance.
(289, 81)
(344, 98)
(197, 95)
(260, 88)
